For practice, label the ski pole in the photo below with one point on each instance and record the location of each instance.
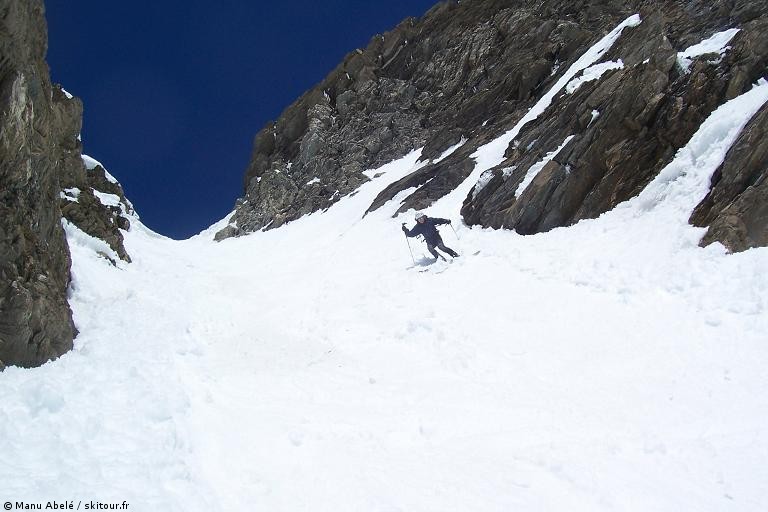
(454, 231)
(409, 247)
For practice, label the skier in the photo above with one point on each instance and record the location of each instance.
(427, 227)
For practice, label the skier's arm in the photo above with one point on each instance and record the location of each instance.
(439, 221)
(410, 232)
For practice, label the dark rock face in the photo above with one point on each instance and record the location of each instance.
(35, 319)
(94, 202)
(472, 70)
(736, 208)
(40, 158)
(647, 111)
(425, 83)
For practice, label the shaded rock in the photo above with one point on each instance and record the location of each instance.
(472, 70)
(35, 319)
(445, 74)
(510, 61)
(644, 113)
(84, 189)
(440, 142)
(42, 177)
(736, 208)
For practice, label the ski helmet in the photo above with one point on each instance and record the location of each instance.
(419, 215)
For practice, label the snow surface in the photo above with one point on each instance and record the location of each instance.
(613, 365)
(448, 152)
(482, 182)
(70, 194)
(592, 73)
(91, 163)
(595, 115)
(107, 199)
(507, 171)
(718, 43)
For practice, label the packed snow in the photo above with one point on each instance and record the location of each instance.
(448, 152)
(592, 73)
(107, 199)
(595, 115)
(482, 182)
(717, 44)
(91, 163)
(612, 365)
(70, 194)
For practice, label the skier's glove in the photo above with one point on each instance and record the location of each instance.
(405, 229)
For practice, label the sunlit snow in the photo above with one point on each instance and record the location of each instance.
(592, 73)
(718, 44)
(611, 365)
(91, 163)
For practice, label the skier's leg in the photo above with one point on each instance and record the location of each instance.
(432, 250)
(447, 250)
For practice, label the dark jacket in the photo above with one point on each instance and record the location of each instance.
(428, 230)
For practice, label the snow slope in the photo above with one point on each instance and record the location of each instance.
(613, 365)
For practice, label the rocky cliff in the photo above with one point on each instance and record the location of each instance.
(467, 72)
(42, 172)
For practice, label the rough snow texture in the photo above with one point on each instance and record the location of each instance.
(613, 365)
(592, 73)
(736, 208)
(716, 44)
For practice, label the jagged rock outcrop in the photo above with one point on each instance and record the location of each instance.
(471, 70)
(465, 69)
(736, 208)
(40, 156)
(90, 197)
(644, 112)
(94, 201)
(35, 322)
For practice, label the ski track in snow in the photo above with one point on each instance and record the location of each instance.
(613, 365)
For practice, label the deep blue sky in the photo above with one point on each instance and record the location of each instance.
(175, 91)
